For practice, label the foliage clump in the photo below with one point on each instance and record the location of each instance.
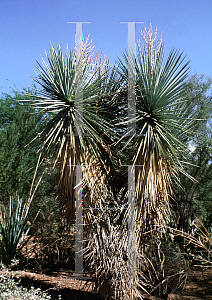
(10, 287)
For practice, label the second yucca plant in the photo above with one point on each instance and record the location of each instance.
(163, 116)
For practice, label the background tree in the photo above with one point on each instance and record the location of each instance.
(19, 123)
(195, 198)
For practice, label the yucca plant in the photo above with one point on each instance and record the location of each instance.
(163, 114)
(78, 90)
(86, 101)
(82, 94)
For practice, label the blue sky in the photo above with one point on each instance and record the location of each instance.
(28, 26)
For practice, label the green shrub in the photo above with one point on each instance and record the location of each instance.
(10, 287)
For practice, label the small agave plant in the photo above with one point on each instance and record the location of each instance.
(13, 230)
(15, 225)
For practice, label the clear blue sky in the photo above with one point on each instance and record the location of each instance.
(28, 26)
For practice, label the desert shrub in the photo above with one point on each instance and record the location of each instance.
(10, 287)
(163, 268)
(198, 243)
